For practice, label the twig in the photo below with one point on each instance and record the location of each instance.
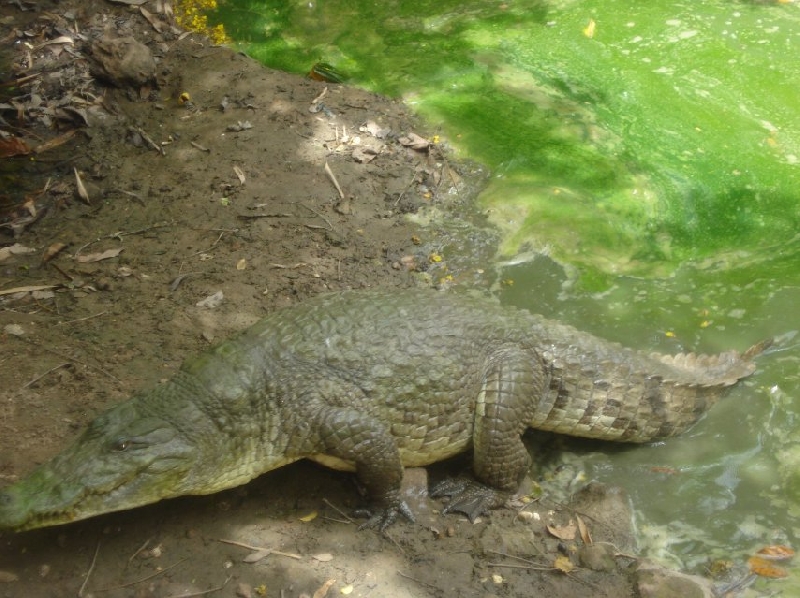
(89, 572)
(119, 235)
(313, 211)
(419, 581)
(97, 315)
(145, 578)
(51, 370)
(214, 244)
(140, 549)
(329, 172)
(259, 548)
(204, 592)
(337, 509)
(150, 142)
(86, 365)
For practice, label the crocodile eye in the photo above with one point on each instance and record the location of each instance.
(120, 444)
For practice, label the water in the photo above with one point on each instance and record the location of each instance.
(652, 149)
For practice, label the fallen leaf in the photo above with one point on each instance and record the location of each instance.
(583, 530)
(347, 590)
(563, 532)
(764, 568)
(97, 257)
(80, 189)
(588, 31)
(241, 264)
(414, 141)
(15, 249)
(13, 146)
(28, 289)
(776, 552)
(364, 155)
(323, 589)
(52, 251)
(563, 564)
(240, 174)
(310, 517)
(323, 557)
(256, 556)
(8, 577)
(211, 301)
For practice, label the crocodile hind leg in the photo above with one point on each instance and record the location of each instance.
(514, 379)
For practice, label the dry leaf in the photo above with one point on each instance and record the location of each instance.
(28, 289)
(765, 568)
(323, 557)
(323, 589)
(563, 532)
(211, 301)
(97, 257)
(52, 251)
(8, 577)
(240, 174)
(256, 556)
(310, 517)
(347, 590)
(80, 189)
(414, 141)
(15, 249)
(583, 530)
(364, 154)
(241, 264)
(776, 552)
(563, 564)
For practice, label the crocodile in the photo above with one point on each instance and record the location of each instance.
(372, 382)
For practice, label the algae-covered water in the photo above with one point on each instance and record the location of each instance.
(653, 151)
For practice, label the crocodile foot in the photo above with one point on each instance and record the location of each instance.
(468, 497)
(384, 516)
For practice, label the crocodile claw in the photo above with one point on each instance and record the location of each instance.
(468, 497)
(385, 517)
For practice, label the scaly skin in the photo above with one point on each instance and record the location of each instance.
(371, 382)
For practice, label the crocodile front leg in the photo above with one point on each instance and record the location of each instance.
(515, 376)
(361, 440)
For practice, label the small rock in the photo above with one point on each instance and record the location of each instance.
(609, 514)
(244, 590)
(14, 330)
(122, 61)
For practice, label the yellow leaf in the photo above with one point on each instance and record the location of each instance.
(310, 517)
(563, 564)
(588, 31)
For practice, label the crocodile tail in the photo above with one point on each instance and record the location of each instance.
(722, 369)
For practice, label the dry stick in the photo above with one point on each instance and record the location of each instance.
(419, 581)
(337, 509)
(312, 210)
(73, 360)
(214, 244)
(145, 578)
(119, 235)
(259, 548)
(51, 370)
(204, 592)
(97, 315)
(140, 549)
(329, 172)
(89, 572)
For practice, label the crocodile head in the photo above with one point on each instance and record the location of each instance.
(124, 459)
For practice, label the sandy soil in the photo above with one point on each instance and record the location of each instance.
(226, 192)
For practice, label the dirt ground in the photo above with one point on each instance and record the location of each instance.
(111, 277)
